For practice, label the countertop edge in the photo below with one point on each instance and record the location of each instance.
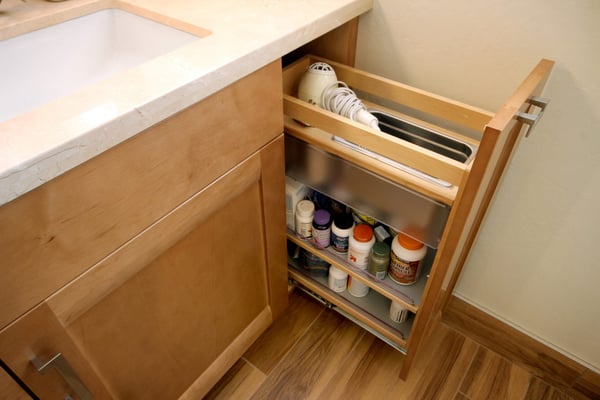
(20, 176)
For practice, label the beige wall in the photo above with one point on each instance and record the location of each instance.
(536, 263)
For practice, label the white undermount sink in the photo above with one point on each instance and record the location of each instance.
(52, 62)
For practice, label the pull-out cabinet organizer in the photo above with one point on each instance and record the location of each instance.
(417, 176)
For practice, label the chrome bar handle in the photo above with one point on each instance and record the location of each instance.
(529, 118)
(64, 369)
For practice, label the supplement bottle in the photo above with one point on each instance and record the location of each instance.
(379, 260)
(321, 228)
(314, 265)
(359, 245)
(340, 232)
(405, 259)
(338, 279)
(305, 210)
(356, 288)
(398, 313)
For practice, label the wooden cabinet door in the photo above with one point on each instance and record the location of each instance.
(152, 267)
(175, 307)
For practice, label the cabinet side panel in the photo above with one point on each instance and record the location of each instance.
(153, 336)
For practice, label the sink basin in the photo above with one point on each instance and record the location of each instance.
(52, 62)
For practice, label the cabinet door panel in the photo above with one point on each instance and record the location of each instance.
(162, 328)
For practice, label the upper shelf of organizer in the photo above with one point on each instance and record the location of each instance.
(415, 152)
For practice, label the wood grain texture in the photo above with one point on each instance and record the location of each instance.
(500, 138)
(338, 45)
(54, 233)
(167, 324)
(555, 368)
(493, 377)
(439, 369)
(111, 272)
(540, 390)
(306, 370)
(39, 334)
(266, 352)
(451, 366)
(228, 357)
(273, 219)
(389, 146)
(586, 385)
(240, 383)
(473, 198)
(10, 389)
(369, 372)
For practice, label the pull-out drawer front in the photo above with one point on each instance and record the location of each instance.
(384, 200)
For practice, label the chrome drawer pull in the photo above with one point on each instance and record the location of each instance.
(530, 118)
(64, 369)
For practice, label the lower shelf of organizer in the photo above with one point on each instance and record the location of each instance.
(409, 296)
(371, 312)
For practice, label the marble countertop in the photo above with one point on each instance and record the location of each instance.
(245, 35)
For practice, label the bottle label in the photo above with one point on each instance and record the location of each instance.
(339, 243)
(403, 272)
(398, 313)
(358, 259)
(337, 285)
(321, 237)
(304, 230)
(356, 288)
(380, 274)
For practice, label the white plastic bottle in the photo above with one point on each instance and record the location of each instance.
(305, 210)
(359, 246)
(356, 288)
(337, 280)
(398, 313)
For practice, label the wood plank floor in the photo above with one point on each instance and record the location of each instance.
(314, 353)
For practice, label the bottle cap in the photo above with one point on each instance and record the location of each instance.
(381, 249)
(343, 221)
(322, 217)
(363, 232)
(409, 243)
(305, 208)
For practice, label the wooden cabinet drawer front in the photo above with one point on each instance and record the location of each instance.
(54, 233)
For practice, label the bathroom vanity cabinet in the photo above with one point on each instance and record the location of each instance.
(152, 267)
(439, 200)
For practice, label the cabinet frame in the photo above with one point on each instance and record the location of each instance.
(473, 183)
(75, 241)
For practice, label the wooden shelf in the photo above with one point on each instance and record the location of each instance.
(371, 310)
(409, 296)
